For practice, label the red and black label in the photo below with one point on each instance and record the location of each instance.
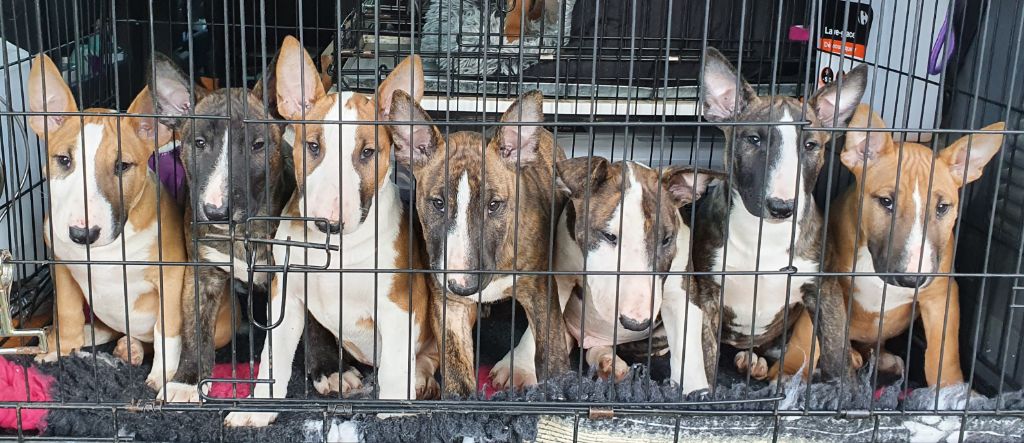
(844, 28)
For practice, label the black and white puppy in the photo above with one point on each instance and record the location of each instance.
(773, 161)
(235, 170)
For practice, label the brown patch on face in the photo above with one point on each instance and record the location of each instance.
(309, 146)
(372, 154)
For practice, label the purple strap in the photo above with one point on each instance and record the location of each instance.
(945, 44)
(170, 171)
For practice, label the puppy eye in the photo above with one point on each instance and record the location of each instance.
(367, 153)
(122, 167)
(63, 160)
(942, 208)
(257, 145)
(438, 204)
(754, 140)
(609, 237)
(667, 241)
(886, 203)
(313, 148)
(200, 143)
(494, 206)
(810, 145)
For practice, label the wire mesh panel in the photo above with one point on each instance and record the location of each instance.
(532, 220)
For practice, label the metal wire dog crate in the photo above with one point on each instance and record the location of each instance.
(621, 79)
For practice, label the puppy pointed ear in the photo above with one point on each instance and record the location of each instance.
(722, 99)
(835, 103)
(170, 88)
(148, 128)
(406, 77)
(686, 184)
(297, 89)
(863, 145)
(968, 156)
(519, 144)
(576, 172)
(54, 96)
(414, 143)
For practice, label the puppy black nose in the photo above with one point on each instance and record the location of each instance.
(634, 325)
(328, 228)
(215, 213)
(470, 287)
(779, 208)
(84, 236)
(910, 280)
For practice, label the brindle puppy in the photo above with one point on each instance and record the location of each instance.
(478, 202)
(235, 171)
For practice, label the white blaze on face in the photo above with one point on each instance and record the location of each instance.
(80, 189)
(782, 178)
(917, 245)
(327, 194)
(458, 234)
(215, 192)
(634, 290)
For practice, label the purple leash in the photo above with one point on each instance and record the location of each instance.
(945, 44)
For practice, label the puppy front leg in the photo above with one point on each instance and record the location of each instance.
(834, 356)
(545, 318)
(684, 324)
(70, 316)
(167, 330)
(396, 351)
(197, 339)
(279, 348)
(942, 329)
(522, 372)
(455, 340)
(705, 292)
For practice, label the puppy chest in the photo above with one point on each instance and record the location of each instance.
(344, 304)
(114, 287)
(756, 300)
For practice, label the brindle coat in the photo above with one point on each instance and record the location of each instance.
(511, 234)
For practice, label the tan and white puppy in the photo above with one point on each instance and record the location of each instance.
(344, 181)
(908, 212)
(105, 208)
(624, 216)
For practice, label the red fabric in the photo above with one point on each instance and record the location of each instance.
(241, 390)
(12, 388)
(484, 380)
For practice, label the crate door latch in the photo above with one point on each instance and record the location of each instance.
(6, 323)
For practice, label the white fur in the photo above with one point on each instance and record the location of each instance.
(326, 195)
(458, 234)
(917, 245)
(742, 255)
(164, 346)
(683, 322)
(215, 185)
(782, 184)
(108, 295)
(80, 188)
(867, 290)
(212, 255)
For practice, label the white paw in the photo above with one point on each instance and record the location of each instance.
(249, 419)
(747, 362)
(179, 393)
(48, 357)
(348, 381)
(521, 375)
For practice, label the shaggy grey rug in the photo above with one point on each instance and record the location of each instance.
(475, 26)
(99, 377)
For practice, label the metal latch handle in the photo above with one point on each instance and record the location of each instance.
(6, 323)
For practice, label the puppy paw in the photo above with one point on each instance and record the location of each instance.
(856, 360)
(427, 387)
(609, 365)
(346, 382)
(137, 351)
(520, 375)
(249, 419)
(747, 362)
(890, 363)
(179, 393)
